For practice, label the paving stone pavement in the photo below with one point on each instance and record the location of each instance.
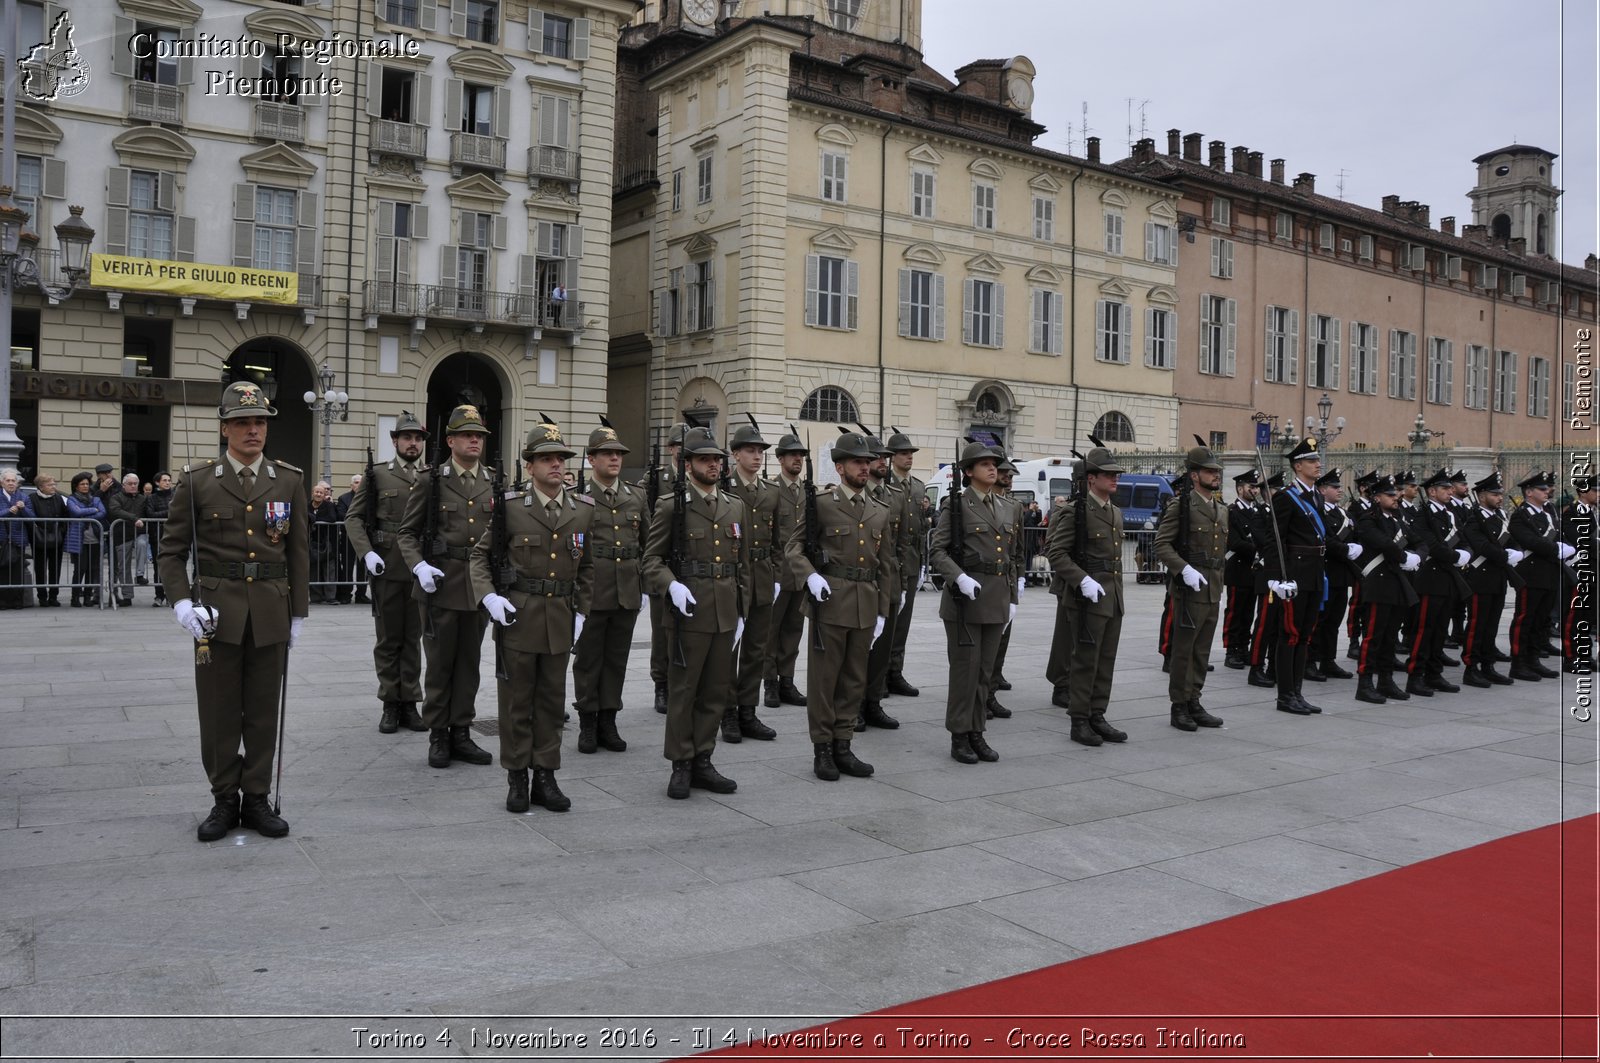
(405, 895)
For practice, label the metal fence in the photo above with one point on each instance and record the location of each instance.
(35, 566)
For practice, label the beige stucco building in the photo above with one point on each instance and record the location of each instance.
(429, 204)
(812, 225)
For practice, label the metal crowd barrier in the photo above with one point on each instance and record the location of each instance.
(25, 566)
(130, 555)
(337, 574)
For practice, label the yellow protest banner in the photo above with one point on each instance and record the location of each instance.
(228, 283)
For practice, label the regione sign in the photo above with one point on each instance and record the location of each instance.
(200, 279)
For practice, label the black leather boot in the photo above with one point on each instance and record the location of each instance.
(1097, 721)
(1261, 678)
(1417, 684)
(769, 693)
(1332, 670)
(545, 791)
(1002, 683)
(1367, 691)
(1474, 677)
(223, 818)
(1499, 679)
(1314, 672)
(1443, 685)
(872, 714)
(1288, 703)
(1353, 652)
(750, 725)
(587, 739)
(984, 751)
(1061, 697)
(1521, 670)
(703, 775)
(678, 785)
(1180, 717)
(961, 749)
(1544, 671)
(789, 694)
(847, 762)
(860, 724)
(606, 732)
(730, 725)
(410, 718)
(1235, 660)
(1083, 734)
(822, 765)
(661, 700)
(255, 814)
(517, 794)
(996, 711)
(389, 722)
(1389, 689)
(439, 748)
(900, 688)
(462, 747)
(1198, 713)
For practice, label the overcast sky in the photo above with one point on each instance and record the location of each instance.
(1402, 95)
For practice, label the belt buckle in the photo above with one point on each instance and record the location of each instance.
(250, 569)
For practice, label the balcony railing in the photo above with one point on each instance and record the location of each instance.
(280, 121)
(472, 149)
(149, 102)
(557, 164)
(454, 303)
(399, 138)
(310, 290)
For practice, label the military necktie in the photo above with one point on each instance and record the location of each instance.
(553, 508)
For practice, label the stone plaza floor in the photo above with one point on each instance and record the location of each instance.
(406, 894)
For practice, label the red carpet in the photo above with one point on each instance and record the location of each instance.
(1487, 953)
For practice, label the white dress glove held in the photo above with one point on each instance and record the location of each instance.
(877, 630)
(818, 587)
(200, 621)
(500, 609)
(373, 562)
(682, 600)
(967, 586)
(295, 624)
(428, 577)
(1090, 588)
(1412, 562)
(1192, 577)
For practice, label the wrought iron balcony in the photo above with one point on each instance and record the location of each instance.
(398, 138)
(280, 121)
(149, 102)
(555, 164)
(481, 152)
(453, 303)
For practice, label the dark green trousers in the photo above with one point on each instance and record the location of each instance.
(600, 661)
(1191, 646)
(836, 678)
(531, 707)
(971, 675)
(238, 696)
(451, 683)
(398, 652)
(1093, 665)
(788, 626)
(697, 693)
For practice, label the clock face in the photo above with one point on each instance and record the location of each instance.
(703, 12)
(1021, 92)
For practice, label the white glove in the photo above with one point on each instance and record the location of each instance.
(1565, 550)
(681, 598)
(373, 562)
(902, 604)
(922, 577)
(1022, 585)
(738, 632)
(1285, 589)
(1354, 551)
(1012, 615)
(777, 589)
(818, 587)
(1091, 589)
(500, 609)
(644, 602)
(1462, 557)
(199, 621)
(427, 576)
(1515, 557)
(968, 586)
(1412, 562)
(577, 626)
(1192, 577)
(877, 630)
(295, 624)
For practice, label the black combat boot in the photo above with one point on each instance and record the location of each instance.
(730, 725)
(517, 795)
(703, 775)
(847, 762)
(1449, 661)
(1198, 713)
(410, 718)
(984, 751)
(678, 785)
(389, 722)
(900, 688)
(588, 742)
(545, 791)
(1002, 683)
(788, 693)
(1061, 697)
(1367, 691)
(822, 765)
(1353, 651)
(1521, 670)
(1389, 689)
(769, 693)
(606, 732)
(255, 814)
(1083, 734)
(1261, 677)
(439, 748)
(462, 747)
(1417, 684)
(223, 818)
(1235, 660)
(996, 711)
(1544, 671)
(661, 698)
(1181, 718)
(750, 725)
(1314, 672)
(872, 713)
(961, 749)
(1288, 703)
(1097, 720)
(1474, 677)
(1499, 679)
(1332, 670)
(1443, 685)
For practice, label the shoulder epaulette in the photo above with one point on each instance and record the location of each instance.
(201, 465)
(286, 465)
(587, 500)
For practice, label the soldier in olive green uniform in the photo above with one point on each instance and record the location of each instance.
(848, 584)
(1192, 542)
(980, 597)
(760, 499)
(902, 456)
(1006, 473)
(905, 517)
(244, 516)
(453, 624)
(1087, 570)
(538, 593)
(600, 661)
(705, 610)
(789, 610)
(658, 631)
(398, 651)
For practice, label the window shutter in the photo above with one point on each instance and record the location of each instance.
(458, 18)
(905, 303)
(385, 217)
(307, 236)
(543, 238)
(419, 222)
(1100, 329)
(118, 179)
(55, 179)
(1232, 337)
(116, 230)
(385, 270)
(502, 112)
(999, 315)
(166, 193)
(528, 285)
(966, 310)
(1332, 375)
(183, 241)
(425, 15)
(498, 232)
(447, 265)
(1449, 370)
(1227, 258)
(1294, 346)
(422, 102)
(580, 39)
(663, 326)
(938, 306)
(852, 293)
(375, 87)
(121, 51)
(812, 268)
(1394, 363)
(1270, 349)
(1125, 340)
(186, 62)
(244, 216)
(1205, 333)
(1057, 323)
(571, 280)
(453, 90)
(1149, 325)
(692, 307)
(1149, 241)
(535, 31)
(1216, 257)
(402, 262)
(1036, 320)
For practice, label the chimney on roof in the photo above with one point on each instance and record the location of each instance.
(1255, 165)
(1478, 234)
(1241, 160)
(1447, 225)
(1191, 146)
(1277, 171)
(1145, 150)
(1391, 206)
(1305, 183)
(1093, 147)
(1174, 136)
(1519, 246)
(1219, 155)
(1591, 263)
(1419, 214)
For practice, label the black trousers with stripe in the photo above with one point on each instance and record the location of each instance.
(1483, 622)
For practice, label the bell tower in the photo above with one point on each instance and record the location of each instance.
(1515, 197)
(890, 21)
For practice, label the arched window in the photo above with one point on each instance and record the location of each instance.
(1500, 228)
(1542, 237)
(989, 402)
(830, 404)
(1114, 427)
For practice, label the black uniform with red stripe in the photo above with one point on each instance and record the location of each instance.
(1386, 593)
(1488, 535)
(1342, 574)
(1238, 575)
(1536, 531)
(1436, 585)
(1303, 535)
(1355, 621)
(1577, 637)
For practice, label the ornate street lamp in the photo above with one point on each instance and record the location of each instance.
(328, 407)
(1318, 424)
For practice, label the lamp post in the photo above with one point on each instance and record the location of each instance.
(20, 270)
(1420, 436)
(328, 407)
(1319, 422)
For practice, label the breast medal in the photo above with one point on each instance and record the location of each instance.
(277, 517)
(576, 538)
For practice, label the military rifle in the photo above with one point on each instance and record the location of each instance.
(431, 544)
(1184, 493)
(813, 543)
(369, 514)
(675, 550)
(958, 547)
(652, 486)
(1080, 539)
